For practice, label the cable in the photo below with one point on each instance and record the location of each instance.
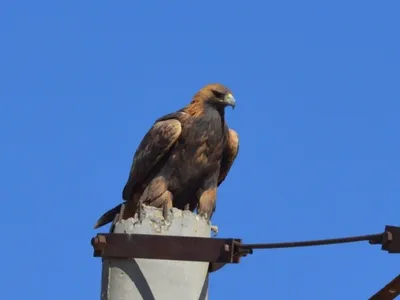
(373, 238)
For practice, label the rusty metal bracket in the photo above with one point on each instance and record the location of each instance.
(217, 252)
(390, 239)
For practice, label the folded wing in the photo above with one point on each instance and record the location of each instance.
(229, 155)
(152, 149)
(155, 145)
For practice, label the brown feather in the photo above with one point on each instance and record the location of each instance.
(207, 202)
(153, 148)
(196, 107)
(230, 153)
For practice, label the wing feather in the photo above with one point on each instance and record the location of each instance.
(155, 144)
(229, 155)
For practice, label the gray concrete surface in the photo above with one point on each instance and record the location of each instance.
(148, 279)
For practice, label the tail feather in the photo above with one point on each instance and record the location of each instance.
(108, 216)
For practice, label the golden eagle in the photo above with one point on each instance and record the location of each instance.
(183, 158)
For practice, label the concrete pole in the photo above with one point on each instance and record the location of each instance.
(151, 279)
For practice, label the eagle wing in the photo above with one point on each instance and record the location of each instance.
(153, 147)
(229, 155)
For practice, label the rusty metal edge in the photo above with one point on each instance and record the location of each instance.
(391, 239)
(219, 251)
(215, 266)
(389, 291)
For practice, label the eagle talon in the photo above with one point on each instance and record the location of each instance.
(201, 215)
(141, 213)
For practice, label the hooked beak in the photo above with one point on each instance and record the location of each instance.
(230, 101)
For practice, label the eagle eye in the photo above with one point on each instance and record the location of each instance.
(217, 94)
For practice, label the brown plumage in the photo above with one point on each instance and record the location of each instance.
(183, 158)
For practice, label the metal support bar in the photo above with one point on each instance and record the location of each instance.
(389, 291)
(216, 251)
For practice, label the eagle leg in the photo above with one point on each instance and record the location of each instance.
(207, 203)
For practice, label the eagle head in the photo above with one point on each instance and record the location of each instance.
(217, 95)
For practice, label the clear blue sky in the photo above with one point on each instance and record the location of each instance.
(318, 104)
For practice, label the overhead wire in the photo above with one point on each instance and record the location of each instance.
(372, 238)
